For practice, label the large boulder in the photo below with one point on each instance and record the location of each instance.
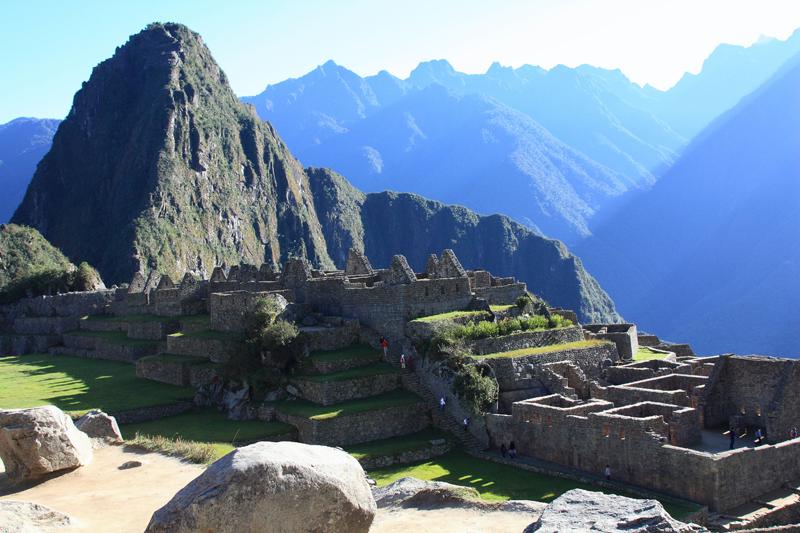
(273, 486)
(38, 441)
(99, 425)
(27, 517)
(583, 510)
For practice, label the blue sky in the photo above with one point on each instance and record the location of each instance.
(48, 47)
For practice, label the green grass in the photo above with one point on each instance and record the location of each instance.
(500, 308)
(353, 373)
(211, 335)
(319, 412)
(415, 441)
(195, 452)
(494, 481)
(208, 426)
(195, 319)
(113, 337)
(448, 316)
(77, 385)
(646, 354)
(524, 352)
(358, 351)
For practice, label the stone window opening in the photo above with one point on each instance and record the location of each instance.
(456, 288)
(622, 433)
(549, 421)
(442, 290)
(606, 431)
(427, 291)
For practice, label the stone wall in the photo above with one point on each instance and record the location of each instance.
(149, 330)
(73, 304)
(45, 325)
(509, 370)
(756, 392)
(332, 392)
(526, 339)
(145, 414)
(408, 456)
(217, 350)
(360, 427)
(501, 294)
(330, 336)
(623, 335)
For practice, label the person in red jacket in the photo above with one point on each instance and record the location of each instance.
(385, 346)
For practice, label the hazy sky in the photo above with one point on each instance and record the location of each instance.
(48, 47)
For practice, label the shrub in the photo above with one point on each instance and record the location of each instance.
(558, 321)
(479, 392)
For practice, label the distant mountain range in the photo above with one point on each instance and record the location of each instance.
(23, 143)
(159, 166)
(712, 252)
(555, 149)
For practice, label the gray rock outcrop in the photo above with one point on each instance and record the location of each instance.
(28, 517)
(41, 440)
(583, 510)
(273, 486)
(99, 425)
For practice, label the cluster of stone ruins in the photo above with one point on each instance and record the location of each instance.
(657, 424)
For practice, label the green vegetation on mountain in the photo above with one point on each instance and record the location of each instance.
(29, 265)
(387, 223)
(159, 166)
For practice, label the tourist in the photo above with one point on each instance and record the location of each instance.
(466, 423)
(759, 436)
(733, 437)
(503, 450)
(793, 433)
(385, 346)
(442, 403)
(403, 361)
(607, 473)
(512, 450)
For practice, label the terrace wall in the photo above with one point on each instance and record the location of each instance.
(360, 427)
(332, 392)
(526, 339)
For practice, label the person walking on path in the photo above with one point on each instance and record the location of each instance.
(512, 450)
(442, 403)
(466, 423)
(733, 437)
(607, 473)
(403, 361)
(385, 346)
(503, 450)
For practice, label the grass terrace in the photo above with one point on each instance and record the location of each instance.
(496, 482)
(315, 411)
(379, 448)
(357, 351)
(195, 319)
(449, 316)
(376, 369)
(77, 385)
(179, 359)
(525, 352)
(113, 337)
(646, 354)
(208, 426)
(500, 308)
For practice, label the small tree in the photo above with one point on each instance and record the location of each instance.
(477, 390)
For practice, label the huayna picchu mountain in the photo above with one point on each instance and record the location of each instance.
(159, 166)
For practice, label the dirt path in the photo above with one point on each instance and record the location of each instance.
(100, 497)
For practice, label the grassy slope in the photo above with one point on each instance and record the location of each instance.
(523, 352)
(24, 252)
(114, 337)
(359, 351)
(78, 385)
(208, 425)
(494, 482)
(448, 315)
(646, 354)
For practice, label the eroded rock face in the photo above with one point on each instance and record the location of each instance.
(273, 486)
(38, 441)
(583, 510)
(28, 517)
(99, 425)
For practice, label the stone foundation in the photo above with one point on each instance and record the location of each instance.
(334, 392)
